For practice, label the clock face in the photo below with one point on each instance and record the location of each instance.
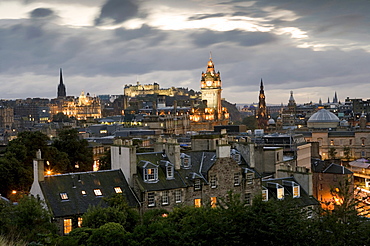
(209, 82)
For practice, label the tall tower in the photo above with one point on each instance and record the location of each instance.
(261, 111)
(61, 87)
(210, 85)
(291, 104)
(335, 98)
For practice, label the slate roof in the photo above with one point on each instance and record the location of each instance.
(304, 199)
(79, 189)
(157, 159)
(319, 166)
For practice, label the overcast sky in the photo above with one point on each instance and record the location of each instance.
(312, 47)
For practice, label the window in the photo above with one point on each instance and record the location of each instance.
(296, 191)
(247, 198)
(350, 142)
(169, 170)
(178, 196)
(185, 162)
(150, 174)
(265, 196)
(197, 184)
(320, 176)
(331, 142)
(280, 193)
(363, 153)
(67, 226)
(213, 181)
(363, 141)
(197, 202)
(165, 197)
(98, 192)
(236, 179)
(79, 222)
(249, 178)
(117, 190)
(63, 196)
(83, 193)
(213, 202)
(151, 200)
(277, 156)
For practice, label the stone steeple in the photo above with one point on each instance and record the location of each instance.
(262, 111)
(292, 104)
(335, 98)
(61, 86)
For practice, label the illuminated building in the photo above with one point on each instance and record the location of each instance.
(261, 114)
(210, 112)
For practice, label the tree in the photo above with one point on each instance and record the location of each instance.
(111, 233)
(79, 154)
(27, 221)
(332, 152)
(60, 117)
(347, 152)
(250, 122)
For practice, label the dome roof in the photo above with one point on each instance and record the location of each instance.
(323, 116)
(271, 121)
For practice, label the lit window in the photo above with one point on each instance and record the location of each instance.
(213, 202)
(178, 196)
(249, 178)
(332, 142)
(98, 192)
(79, 222)
(64, 196)
(117, 189)
(150, 174)
(197, 203)
(197, 184)
(67, 225)
(265, 195)
(236, 179)
(213, 181)
(296, 191)
(280, 193)
(83, 192)
(165, 197)
(247, 198)
(151, 200)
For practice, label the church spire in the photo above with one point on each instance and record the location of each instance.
(61, 87)
(261, 111)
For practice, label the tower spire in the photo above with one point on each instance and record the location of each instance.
(61, 87)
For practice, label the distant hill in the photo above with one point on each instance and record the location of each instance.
(234, 112)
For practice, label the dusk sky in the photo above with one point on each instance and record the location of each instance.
(312, 47)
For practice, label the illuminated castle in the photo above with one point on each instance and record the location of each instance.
(209, 112)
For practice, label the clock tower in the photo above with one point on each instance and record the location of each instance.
(211, 88)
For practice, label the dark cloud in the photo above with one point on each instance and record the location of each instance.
(205, 38)
(41, 13)
(202, 17)
(118, 11)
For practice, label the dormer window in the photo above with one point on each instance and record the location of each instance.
(64, 196)
(185, 160)
(280, 193)
(296, 191)
(265, 194)
(169, 170)
(235, 155)
(150, 172)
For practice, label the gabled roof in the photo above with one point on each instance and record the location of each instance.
(79, 191)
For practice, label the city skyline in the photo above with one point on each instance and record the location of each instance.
(313, 48)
